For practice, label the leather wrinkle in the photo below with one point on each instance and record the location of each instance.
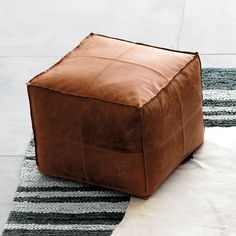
(128, 62)
(108, 65)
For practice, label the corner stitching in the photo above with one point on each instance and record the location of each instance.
(189, 62)
(61, 59)
(140, 111)
(183, 125)
(33, 126)
(80, 96)
(201, 80)
(146, 45)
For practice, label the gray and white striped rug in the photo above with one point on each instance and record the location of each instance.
(46, 205)
(219, 93)
(49, 206)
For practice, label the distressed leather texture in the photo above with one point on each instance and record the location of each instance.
(117, 114)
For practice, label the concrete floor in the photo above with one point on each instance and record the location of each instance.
(35, 34)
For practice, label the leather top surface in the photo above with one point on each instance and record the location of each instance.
(114, 70)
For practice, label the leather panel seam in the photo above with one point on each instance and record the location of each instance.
(142, 44)
(169, 82)
(143, 153)
(81, 144)
(83, 97)
(179, 129)
(128, 62)
(104, 69)
(183, 124)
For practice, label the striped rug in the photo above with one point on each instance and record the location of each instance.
(49, 206)
(219, 93)
(46, 205)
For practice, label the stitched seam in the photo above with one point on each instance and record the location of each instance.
(178, 130)
(186, 122)
(33, 126)
(128, 62)
(181, 107)
(89, 146)
(189, 62)
(168, 140)
(103, 100)
(60, 60)
(144, 160)
(107, 66)
(143, 44)
(81, 96)
(82, 43)
(176, 166)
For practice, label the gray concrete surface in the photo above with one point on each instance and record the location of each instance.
(35, 34)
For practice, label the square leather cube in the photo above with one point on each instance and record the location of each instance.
(117, 114)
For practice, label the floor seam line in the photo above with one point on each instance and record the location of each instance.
(181, 24)
(12, 155)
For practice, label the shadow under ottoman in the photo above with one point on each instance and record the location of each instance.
(117, 114)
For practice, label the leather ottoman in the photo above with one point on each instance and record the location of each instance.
(117, 114)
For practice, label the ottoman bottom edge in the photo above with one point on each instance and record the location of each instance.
(105, 186)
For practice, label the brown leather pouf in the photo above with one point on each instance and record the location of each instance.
(117, 114)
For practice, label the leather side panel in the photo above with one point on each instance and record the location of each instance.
(88, 140)
(173, 125)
